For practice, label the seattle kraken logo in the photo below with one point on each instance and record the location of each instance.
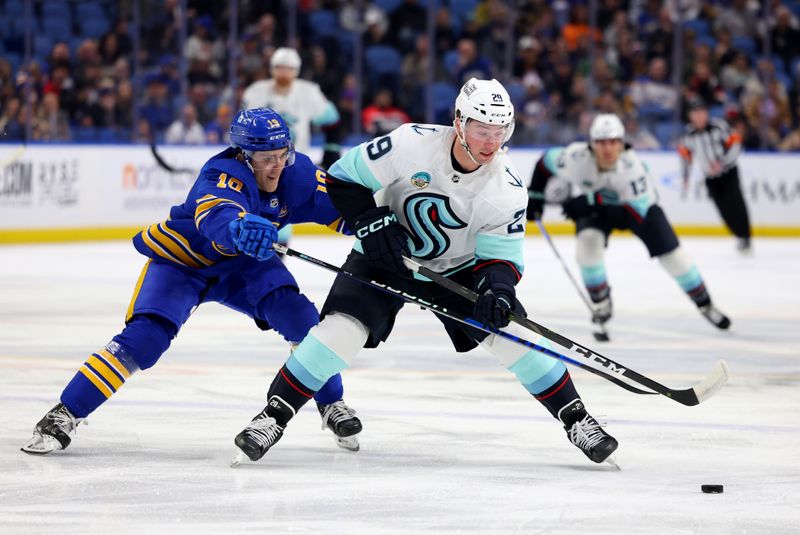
(427, 215)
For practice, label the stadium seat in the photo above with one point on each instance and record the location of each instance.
(745, 44)
(698, 26)
(94, 27)
(444, 96)
(383, 67)
(323, 22)
(56, 9)
(463, 9)
(388, 5)
(666, 132)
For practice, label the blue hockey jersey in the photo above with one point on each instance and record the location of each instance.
(196, 234)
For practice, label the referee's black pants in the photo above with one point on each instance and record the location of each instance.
(726, 192)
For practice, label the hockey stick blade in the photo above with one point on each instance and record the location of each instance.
(705, 389)
(442, 311)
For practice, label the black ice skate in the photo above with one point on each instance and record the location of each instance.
(585, 433)
(717, 318)
(53, 432)
(263, 432)
(743, 246)
(342, 420)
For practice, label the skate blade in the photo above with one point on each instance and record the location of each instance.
(348, 443)
(40, 445)
(612, 460)
(238, 457)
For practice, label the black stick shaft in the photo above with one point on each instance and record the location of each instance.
(442, 311)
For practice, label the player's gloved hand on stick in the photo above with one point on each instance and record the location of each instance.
(495, 300)
(582, 206)
(384, 240)
(254, 235)
(535, 206)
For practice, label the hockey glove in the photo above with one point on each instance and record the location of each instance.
(535, 206)
(582, 206)
(253, 235)
(496, 296)
(329, 158)
(384, 240)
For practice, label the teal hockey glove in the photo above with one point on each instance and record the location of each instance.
(254, 235)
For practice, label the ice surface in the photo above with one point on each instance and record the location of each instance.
(452, 443)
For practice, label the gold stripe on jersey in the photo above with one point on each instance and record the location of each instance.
(219, 249)
(96, 381)
(159, 250)
(156, 232)
(136, 290)
(323, 189)
(108, 374)
(205, 204)
(336, 225)
(112, 360)
(183, 241)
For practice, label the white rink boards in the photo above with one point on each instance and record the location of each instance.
(452, 443)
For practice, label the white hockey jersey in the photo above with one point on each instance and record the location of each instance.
(628, 183)
(454, 218)
(303, 105)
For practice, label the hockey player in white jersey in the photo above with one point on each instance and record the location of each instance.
(614, 190)
(300, 102)
(451, 198)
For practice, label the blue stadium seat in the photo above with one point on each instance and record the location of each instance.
(706, 40)
(463, 9)
(699, 26)
(518, 93)
(383, 67)
(323, 22)
(745, 44)
(794, 68)
(388, 5)
(94, 27)
(57, 9)
(14, 9)
(450, 60)
(444, 96)
(43, 45)
(666, 132)
(57, 29)
(90, 10)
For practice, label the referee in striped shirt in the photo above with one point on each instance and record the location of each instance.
(715, 148)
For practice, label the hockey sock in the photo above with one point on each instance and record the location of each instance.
(331, 391)
(678, 264)
(289, 389)
(559, 395)
(138, 346)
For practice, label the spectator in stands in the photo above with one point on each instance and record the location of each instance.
(784, 37)
(740, 18)
(638, 136)
(50, 122)
(470, 64)
(659, 41)
(705, 85)
(382, 116)
(156, 106)
(654, 95)
(738, 74)
(185, 130)
(218, 130)
(406, 22)
(11, 128)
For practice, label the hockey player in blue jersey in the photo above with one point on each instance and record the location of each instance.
(450, 197)
(216, 246)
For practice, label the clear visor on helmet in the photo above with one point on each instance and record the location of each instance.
(263, 159)
(497, 133)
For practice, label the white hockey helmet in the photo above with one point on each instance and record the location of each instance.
(485, 101)
(606, 126)
(285, 57)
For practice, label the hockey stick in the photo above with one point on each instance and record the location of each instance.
(612, 370)
(690, 396)
(163, 163)
(453, 315)
(601, 336)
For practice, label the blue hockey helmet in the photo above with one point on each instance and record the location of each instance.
(261, 129)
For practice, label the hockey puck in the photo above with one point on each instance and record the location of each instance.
(711, 489)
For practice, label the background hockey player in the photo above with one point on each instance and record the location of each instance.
(450, 197)
(300, 103)
(716, 148)
(216, 246)
(615, 191)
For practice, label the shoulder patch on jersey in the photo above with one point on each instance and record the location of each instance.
(515, 181)
(421, 179)
(421, 130)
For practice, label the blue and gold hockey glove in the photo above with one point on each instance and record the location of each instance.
(254, 235)
(496, 297)
(384, 240)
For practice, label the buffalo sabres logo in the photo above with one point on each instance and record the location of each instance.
(283, 212)
(428, 216)
(421, 180)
